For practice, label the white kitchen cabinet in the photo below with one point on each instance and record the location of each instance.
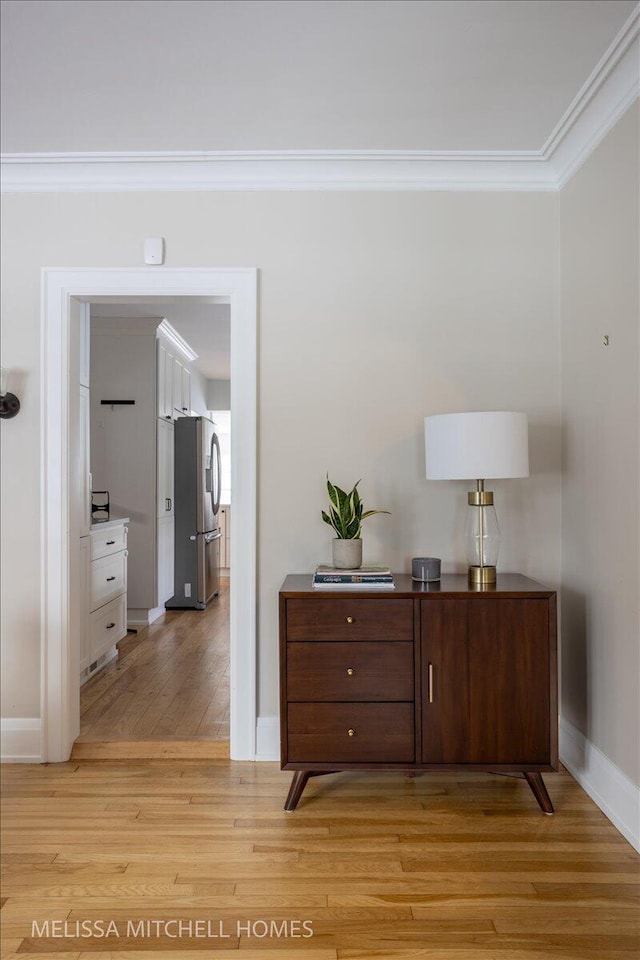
(104, 557)
(164, 469)
(173, 376)
(164, 381)
(185, 383)
(166, 563)
(165, 518)
(181, 389)
(108, 578)
(176, 376)
(108, 624)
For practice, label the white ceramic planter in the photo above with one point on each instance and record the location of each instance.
(347, 554)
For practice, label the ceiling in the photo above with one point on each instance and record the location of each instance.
(204, 322)
(218, 75)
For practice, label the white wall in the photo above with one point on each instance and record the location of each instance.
(374, 311)
(219, 394)
(123, 441)
(601, 479)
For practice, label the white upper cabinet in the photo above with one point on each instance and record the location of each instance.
(181, 389)
(185, 383)
(174, 373)
(177, 388)
(165, 382)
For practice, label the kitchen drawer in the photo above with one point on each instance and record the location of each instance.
(108, 541)
(107, 625)
(326, 618)
(108, 578)
(350, 732)
(350, 671)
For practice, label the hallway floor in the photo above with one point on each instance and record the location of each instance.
(167, 692)
(458, 866)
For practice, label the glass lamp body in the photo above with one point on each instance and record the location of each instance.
(482, 538)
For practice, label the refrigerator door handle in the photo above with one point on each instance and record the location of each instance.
(215, 456)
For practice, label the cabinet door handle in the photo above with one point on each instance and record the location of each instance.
(349, 619)
(350, 671)
(167, 503)
(110, 626)
(430, 682)
(110, 543)
(351, 732)
(109, 579)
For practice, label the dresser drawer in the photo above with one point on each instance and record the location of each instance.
(108, 541)
(341, 618)
(350, 732)
(108, 625)
(350, 671)
(108, 578)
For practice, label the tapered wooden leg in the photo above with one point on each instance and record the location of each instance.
(539, 791)
(298, 784)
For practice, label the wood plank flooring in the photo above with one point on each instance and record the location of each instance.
(377, 865)
(167, 693)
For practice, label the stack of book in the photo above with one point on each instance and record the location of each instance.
(372, 576)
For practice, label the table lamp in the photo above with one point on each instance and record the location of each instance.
(478, 446)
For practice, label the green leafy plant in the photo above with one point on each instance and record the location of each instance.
(346, 512)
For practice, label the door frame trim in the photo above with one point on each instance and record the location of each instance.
(59, 687)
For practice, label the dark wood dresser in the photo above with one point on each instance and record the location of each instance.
(424, 677)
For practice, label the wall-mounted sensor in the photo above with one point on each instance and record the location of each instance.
(154, 250)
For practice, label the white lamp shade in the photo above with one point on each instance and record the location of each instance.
(476, 446)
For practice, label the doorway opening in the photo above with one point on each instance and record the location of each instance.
(162, 687)
(65, 292)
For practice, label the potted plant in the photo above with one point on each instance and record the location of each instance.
(346, 514)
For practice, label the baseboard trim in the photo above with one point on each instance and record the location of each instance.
(20, 740)
(606, 784)
(143, 617)
(268, 738)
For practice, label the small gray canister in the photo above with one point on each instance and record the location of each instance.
(425, 569)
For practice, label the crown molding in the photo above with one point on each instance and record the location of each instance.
(178, 342)
(606, 95)
(608, 92)
(276, 170)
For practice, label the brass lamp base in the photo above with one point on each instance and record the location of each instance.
(482, 575)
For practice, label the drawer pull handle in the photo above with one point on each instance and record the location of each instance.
(349, 619)
(110, 626)
(349, 671)
(109, 579)
(110, 543)
(351, 732)
(430, 676)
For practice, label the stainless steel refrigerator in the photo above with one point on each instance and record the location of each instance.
(197, 503)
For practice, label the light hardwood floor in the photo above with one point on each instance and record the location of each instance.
(167, 693)
(436, 867)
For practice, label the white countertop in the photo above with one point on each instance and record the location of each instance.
(111, 522)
